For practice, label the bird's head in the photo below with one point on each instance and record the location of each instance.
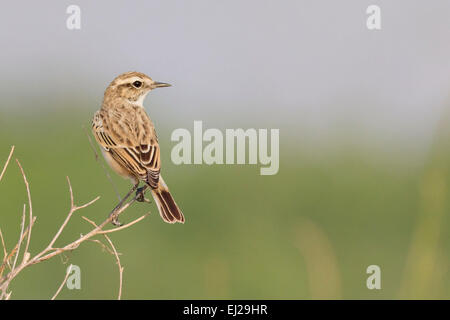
(132, 86)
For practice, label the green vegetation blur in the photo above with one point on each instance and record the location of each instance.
(310, 231)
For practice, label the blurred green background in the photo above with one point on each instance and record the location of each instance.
(308, 232)
(364, 122)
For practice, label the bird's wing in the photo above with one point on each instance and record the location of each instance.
(131, 140)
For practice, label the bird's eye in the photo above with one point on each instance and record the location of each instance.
(137, 84)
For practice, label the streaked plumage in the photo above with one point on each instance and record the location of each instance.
(128, 138)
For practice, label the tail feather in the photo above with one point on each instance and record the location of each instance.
(167, 207)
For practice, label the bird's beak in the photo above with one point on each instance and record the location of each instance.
(160, 85)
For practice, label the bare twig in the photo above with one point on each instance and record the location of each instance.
(7, 162)
(30, 209)
(51, 251)
(118, 265)
(123, 226)
(69, 269)
(73, 208)
(22, 225)
(5, 253)
(104, 246)
(13, 251)
(115, 254)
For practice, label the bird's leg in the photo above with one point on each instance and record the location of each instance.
(140, 194)
(113, 213)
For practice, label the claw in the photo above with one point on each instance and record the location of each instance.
(140, 195)
(115, 221)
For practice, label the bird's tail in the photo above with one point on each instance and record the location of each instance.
(167, 207)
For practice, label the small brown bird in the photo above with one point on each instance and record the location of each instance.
(128, 140)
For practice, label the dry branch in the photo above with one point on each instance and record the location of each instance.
(116, 254)
(5, 253)
(69, 269)
(50, 250)
(7, 162)
(30, 209)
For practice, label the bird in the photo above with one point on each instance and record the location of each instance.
(128, 139)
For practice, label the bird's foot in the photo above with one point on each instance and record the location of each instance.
(140, 194)
(115, 220)
(115, 217)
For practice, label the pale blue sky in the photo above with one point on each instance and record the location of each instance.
(311, 67)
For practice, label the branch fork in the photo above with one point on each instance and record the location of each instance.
(14, 262)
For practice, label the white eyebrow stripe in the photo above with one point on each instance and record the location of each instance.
(128, 80)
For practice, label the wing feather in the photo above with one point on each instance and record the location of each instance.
(134, 147)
